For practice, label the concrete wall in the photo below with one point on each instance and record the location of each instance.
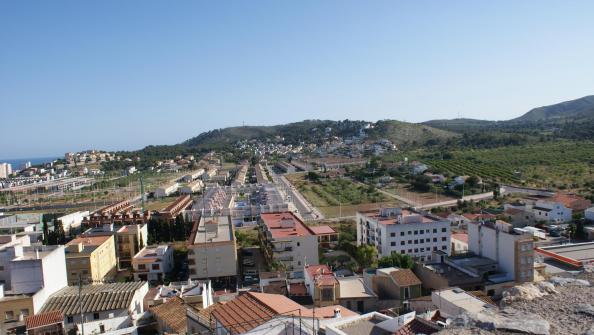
(218, 260)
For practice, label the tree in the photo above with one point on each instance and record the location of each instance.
(421, 183)
(45, 231)
(59, 234)
(366, 255)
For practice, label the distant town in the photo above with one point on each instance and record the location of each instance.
(341, 235)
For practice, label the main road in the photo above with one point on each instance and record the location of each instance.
(307, 211)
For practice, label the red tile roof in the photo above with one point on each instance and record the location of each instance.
(573, 201)
(321, 274)
(44, 319)
(273, 223)
(322, 230)
(476, 217)
(172, 314)
(463, 237)
(418, 326)
(405, 277)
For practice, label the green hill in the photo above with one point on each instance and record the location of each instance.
(408, 134)
(573, 109)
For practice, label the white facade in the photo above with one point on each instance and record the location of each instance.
(5, 170)
(511, 250)
(212, 250)
(403, 231)
(551, 212)
(152, 263)
(166, 190)
(73, 220)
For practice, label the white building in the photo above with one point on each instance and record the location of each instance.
(403, 231)
(152, 263)
(106, 307)
(589, 214)
(166, 190)
(73, 220)
(551, 212)
(511, 249)
(192, 176)
(192, 187)
(212, 249)
(455, 301)
(5, 170)
(289, 241)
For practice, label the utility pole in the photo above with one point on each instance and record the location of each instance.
(82, 316)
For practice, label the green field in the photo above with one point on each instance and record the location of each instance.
(560, 164)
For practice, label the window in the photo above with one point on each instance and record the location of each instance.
(141, 266)
(443, 230)
(434, 230)
(402, 242)
(401, 233)
(298, 262)
(410, 251)
(409, 241)
(392, 244)
(434, 248)
(409, 232)
(69, 319)
(101, 329)
(406, 293)
(422, 240)
(416, 232)
(95, 316)
(427, 231)
(9, 315)
(435, 239)
(327, 294)
(421, 232)
(1, 268)
(443, 247)
(402, 252)
(24, 312)
(416, 241)
(444, 238)
(392, 234)
(298, 244)
(422, 249)
(156, 266)
(416, 249)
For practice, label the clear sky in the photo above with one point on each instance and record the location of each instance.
(124, 74)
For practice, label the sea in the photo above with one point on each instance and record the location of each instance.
(17, 163)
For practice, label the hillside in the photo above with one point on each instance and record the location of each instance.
(570, 119)
(408, 134)
(578, 108)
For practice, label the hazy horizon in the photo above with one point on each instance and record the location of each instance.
(123, 75)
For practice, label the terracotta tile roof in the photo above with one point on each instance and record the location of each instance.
(418, 326)
(90, 240)
(463, 237)
(95, 298)
(205, 313)
(44, 319)
(477, 217)
(172, 314)
(513, 211)
(321, 230)
(297, 289)
(405, 277)
(273, 224)
(321, 274)
(573, 201)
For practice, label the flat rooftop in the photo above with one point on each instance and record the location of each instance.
(402, 216)
(214, 229)
(461, 299)
(570, 253)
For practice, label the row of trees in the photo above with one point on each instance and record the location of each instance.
(57, 236)
(163, 230)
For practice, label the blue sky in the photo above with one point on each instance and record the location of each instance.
(126, 74)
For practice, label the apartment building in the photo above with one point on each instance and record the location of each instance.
(511, 248)
(191, 187)
(403, 231)
(91, 257)
(130, 240)
(288, 242)
(5, 170)
(551, 212)
(212, 249)
(153, 263)
(34, 274)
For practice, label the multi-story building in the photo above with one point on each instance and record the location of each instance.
(551, 212)
(92, 258)
(288, 243)
(5, 170)
(212, 249)
(321, 285)
(130, 240)
(166, 190)
(511, 248)
(34, 273)
(152, 263)
(404, 231)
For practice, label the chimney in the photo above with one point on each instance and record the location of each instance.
(337, 314)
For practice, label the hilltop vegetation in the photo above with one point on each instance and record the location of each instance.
(409, 134)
